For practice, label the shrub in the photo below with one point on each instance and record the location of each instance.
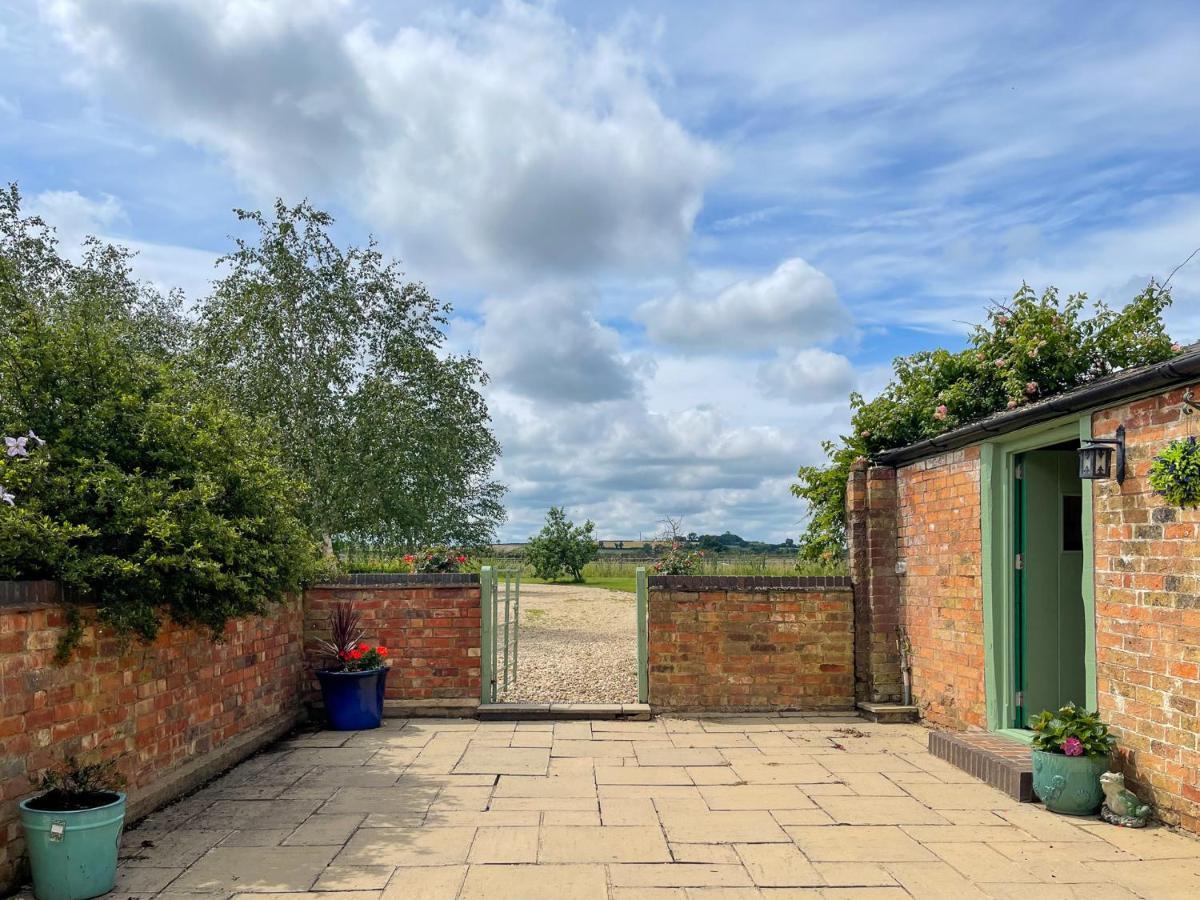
(678, 560)
(1175, 473)
(561, 547)
(150, 494)
(1071, 731)
(436, 561)
(1030, 348)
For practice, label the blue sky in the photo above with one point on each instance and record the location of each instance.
(677, 234)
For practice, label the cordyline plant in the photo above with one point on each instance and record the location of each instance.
(1029, 348)
(1071, 731)
(78, 785)
(346, 649)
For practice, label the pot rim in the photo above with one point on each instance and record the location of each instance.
(343, 673)
(68, 812)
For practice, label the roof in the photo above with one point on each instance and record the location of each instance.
(1106, 391)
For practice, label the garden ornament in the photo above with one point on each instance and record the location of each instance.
(1121, 807)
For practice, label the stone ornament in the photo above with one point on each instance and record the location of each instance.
(1121, 806)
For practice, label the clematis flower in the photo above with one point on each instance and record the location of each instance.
(1073, 746)
(15, 446)
(37, 440)
(6, 497)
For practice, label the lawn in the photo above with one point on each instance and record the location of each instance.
(626, 583)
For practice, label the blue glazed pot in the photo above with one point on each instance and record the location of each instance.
(353, 700)
(1069, 784)
(73, 853)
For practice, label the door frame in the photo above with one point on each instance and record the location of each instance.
(998, 532)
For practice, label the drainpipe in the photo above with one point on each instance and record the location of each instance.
(905, 668)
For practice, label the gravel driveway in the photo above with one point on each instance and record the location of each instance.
(578, 645)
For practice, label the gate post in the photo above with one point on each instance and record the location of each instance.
(643, 629)
(487, 634)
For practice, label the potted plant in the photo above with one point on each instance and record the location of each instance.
(354, 678)
(439, 560)
(73, 829)
(1071, 750)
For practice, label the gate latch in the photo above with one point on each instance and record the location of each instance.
(58, 829)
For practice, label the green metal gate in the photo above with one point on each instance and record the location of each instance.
(500, 630)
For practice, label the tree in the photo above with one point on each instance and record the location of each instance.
(1029, 348)
(346, 359)
(135, 486)
(561, 546)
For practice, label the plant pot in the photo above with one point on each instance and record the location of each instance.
(1069, 784)
(73, 853)
(353, 700)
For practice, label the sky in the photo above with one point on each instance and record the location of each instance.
(677, 234)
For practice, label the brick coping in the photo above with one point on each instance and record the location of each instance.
(389, 579)
(748, 582)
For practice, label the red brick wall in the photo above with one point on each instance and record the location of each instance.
(157, 707)
(1148, 613)
(939, 544)
(727, 644)
(431, 631)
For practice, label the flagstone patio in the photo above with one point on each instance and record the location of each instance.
(672, 809)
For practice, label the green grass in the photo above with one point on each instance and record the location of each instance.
(612, 582)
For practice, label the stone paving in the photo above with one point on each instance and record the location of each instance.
(729, 808)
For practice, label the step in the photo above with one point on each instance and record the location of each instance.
(516, 712)
(888, 713)
(1003, 762)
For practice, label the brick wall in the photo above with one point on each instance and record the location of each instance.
(175, 712)
(430, 625)
(939, 544)
(750, 643)
(1148, 613)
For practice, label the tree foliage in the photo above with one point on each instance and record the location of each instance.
(346, 360)
(1029, 348)
(144, 491)
(561, 547)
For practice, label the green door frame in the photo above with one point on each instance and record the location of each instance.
(998, 529)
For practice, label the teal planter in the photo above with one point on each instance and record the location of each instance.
(73, 854)
(1069, 784)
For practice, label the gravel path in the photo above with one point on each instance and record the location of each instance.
(578, 645)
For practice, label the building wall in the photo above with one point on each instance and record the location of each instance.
(1148, 613)
(729, 643)
(430, 625)
(174, 712)
(939, 547)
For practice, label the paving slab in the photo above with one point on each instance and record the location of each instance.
(230, 869)
(778, 865)
(526, 882)
(857, 843)
(407, 847)
(605, 844)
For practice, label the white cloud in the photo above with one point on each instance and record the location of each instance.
(74, 216)
(505, 142)
(796, 305)
(808, 376)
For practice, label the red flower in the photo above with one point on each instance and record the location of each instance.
(461, 559)
(364, 646)
(409, 558)
(382, 651)
(357, 654)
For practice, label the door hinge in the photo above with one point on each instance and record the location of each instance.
(1019, 562)
(1019, 471)
(1020, 698)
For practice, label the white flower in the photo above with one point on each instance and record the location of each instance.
(6, 497)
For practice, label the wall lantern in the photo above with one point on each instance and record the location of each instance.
(1096, 458)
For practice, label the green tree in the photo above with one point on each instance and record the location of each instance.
(346, 359)
(561, 546)
(1029, 348)
(136, 487)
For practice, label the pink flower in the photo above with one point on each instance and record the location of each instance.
(1012, 404)
(1175, 348)
(1001, 320)
(1031, 387)
(1001, 363)
(1073, 746)
(941, 412)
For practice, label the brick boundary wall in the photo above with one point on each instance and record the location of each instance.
(750, 644)
(176, 712)
(429, 623)
(1147, 589)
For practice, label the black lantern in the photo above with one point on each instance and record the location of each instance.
(1096, 458)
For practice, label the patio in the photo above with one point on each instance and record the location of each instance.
(778, 807)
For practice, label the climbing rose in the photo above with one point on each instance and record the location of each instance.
(1072, 746)
(1031, 387)
(941, 412)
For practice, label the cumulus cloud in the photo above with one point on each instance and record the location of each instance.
(795, 305)
(548, 346)
(808, 376)
(505, 141)
(75, 216)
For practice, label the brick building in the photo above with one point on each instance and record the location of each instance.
(1017, 586)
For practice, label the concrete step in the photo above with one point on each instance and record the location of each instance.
(516, 712)
(888, 713)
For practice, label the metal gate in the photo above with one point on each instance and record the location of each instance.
(500, 630)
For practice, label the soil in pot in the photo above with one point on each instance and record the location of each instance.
(61, 801)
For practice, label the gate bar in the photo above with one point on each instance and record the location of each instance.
(643, 655)
(487, 636)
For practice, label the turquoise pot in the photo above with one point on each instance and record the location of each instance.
(1069, 784)
(73, 854)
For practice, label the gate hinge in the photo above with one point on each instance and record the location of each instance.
(1019, 471)
(1019, 561)
(1020, 698)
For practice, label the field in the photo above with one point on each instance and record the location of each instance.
(613, 572)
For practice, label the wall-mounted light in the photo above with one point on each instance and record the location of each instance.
(1096, 458)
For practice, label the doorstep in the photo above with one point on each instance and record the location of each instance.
(1003, 762)
(888, 713)
(513, 712)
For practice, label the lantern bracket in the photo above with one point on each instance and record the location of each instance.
(1189, 402)
(1118, 443)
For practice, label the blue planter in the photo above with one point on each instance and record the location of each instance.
(73, 853)
(353, 700)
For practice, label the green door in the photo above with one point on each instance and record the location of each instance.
(1049, 603)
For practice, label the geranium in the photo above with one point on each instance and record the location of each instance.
(437, 560)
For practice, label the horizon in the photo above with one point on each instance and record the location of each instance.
(677, 235)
